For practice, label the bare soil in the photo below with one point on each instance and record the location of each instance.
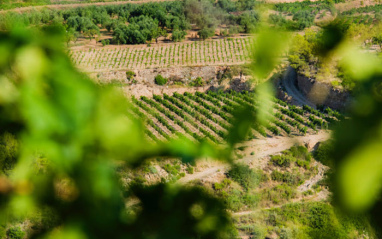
(289, 81)
(261, 148)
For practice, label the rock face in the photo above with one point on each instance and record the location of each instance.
(147, 76)
(149, 90)
(139, 90)
(322, 94)
(178, 79)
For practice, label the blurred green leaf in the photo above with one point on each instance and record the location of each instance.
(360, 176)
(267, 51)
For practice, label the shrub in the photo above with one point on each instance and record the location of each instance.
(153, 169)
(293, 179)
(15, 233)
(323, 222)
(309, 192)
(300, 152)
(190, 169)
(322, 153)
(178, 35)
(250, 199)
(233, 200)
(287, 177)
(277, 175)
(282, 160)
(197, 82)
(245, 176)
(130, 75)
(160, 80)
(286, 233)
(206, 33)
(105, 42)
(303, 164)
(8, 151)
(284, 191)
(172, 169)
(218, 186)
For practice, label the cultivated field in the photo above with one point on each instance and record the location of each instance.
(65, 4)
(209, 115)
(227, 51)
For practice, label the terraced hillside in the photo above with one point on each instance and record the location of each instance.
(209, 115)
(225, 51)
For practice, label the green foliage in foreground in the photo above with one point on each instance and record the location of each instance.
(9, 146)
(72, 132)
(82, 130)
(15, 233)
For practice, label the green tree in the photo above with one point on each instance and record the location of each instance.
(378, 40)
(202, 13)
(205, 33)
(139, 31)
(178, 35)
(91, 33)
(227, 5)
(160, 80)
(81, 24)
(71, 35)
(248, 21)
(15, 233)
(244, 5)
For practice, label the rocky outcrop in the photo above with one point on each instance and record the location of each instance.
(178, 80)
(139, 90)
(147, 76)
(321, 93)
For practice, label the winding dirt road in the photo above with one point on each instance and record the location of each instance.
(289, 82)
(262, 148)
(313, 198)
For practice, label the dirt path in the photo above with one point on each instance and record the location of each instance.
(312, 181)
(74, 5)
(262, 148)
(313, 198)
(289, 82)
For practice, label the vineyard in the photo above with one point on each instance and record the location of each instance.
(208, 115)
(363, 15)
(223, 51)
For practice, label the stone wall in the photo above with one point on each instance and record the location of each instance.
(139, 90)
(145, 80)
(322, 93)
(147, 76)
